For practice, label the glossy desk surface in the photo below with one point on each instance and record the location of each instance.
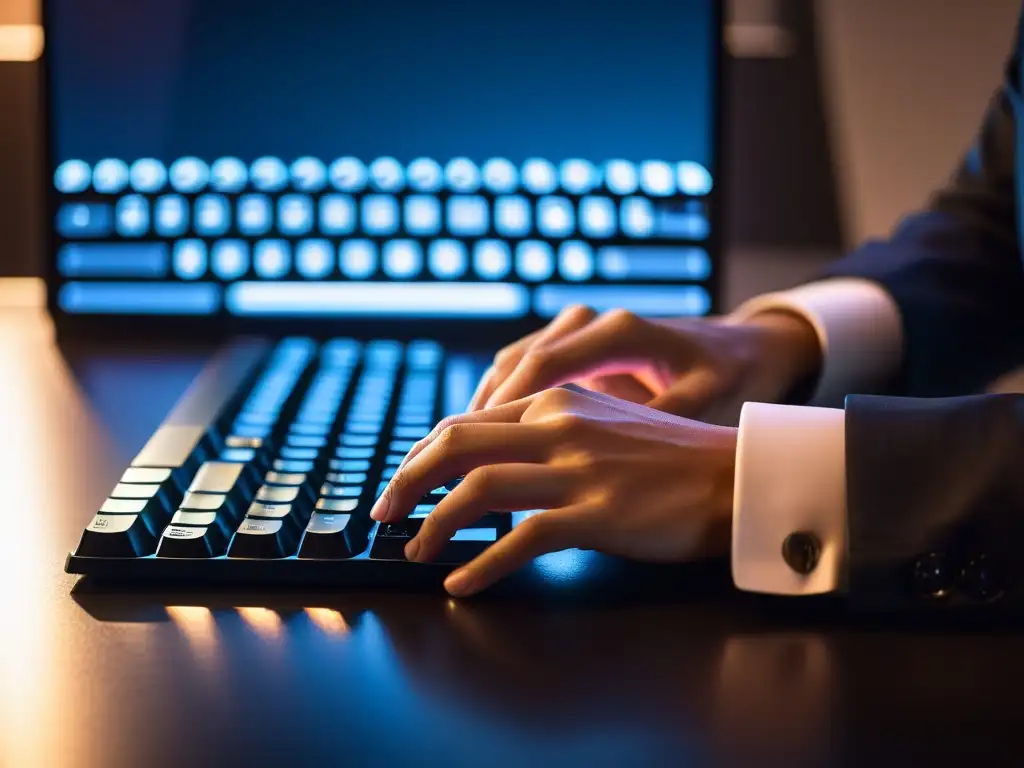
(678, 670)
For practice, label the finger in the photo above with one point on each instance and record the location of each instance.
(458, 450)
(544, 532)
(622, 386)
(508, 413)
(691, 396)
(499, 488)
(568, 320)
(617, 342)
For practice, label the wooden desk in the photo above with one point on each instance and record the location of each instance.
(679, 675)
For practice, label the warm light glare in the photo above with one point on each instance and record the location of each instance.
(21, 42)
(196, 623)
(330, 621)
(263, 621)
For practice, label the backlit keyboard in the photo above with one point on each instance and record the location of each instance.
(268, 467)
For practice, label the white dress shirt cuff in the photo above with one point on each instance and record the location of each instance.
(858, 325)
(790, 477)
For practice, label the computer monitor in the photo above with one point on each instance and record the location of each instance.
(251, 162)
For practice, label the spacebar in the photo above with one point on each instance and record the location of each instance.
(172, 445)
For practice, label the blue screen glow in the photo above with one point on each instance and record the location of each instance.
(390, 158)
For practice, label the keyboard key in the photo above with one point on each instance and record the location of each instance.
(292, 465)
(125, 506)
(337, 505)
(285, 478)
(270, 511)
(264, 539)
(388, 473)
(199, 542)
(350, 465)
(303, 454)
(205, 502)
(344, 491)
(146, 475)
(346, 478)
(335, 536)
(277, 494)
(416, 433)
(402, 445)
(239, 455)
(357, 441)
(183, 517)
(320, 427)
(111, 535)
(135, 491)
(307, 441)
(220, 477)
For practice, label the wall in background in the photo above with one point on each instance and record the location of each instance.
(906, 84)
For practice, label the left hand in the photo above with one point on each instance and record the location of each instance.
(611, 475)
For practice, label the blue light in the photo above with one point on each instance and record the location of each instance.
(148, 175)
(653, 262)
(190, 259)
(555, 217)
(620, 177)
(539, 176)
(170, 216)
(269, 174)
(422, 215)
(113, 260)
(309, 174)
(576, 261)
(467, 215)
(228, 174)
(140, 298)
(425, 175)
(402, 259)
(447, 259)
(314, 258)
(578, 176)
(72, 177)
(462, 175)
(230, 259)
(110, 176)
(413, 299)
(657, 179)
(272, 259)
(661, 300)
(347, 174)
(85, 220)
(254, 214)
(492, 259)
(693, 178)
(637, 217)
(188, 174)
(212, 215)
(597, 217)
(535, 260)
(295, 214)
(387, 174)
(682, 224)
(337, 214)
(500, 175)
(358, 259)
(132, 216)
(380, 214)
(512, 217)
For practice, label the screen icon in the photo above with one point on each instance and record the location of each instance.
(637, 217)
(337, 214)
(620, 177)
(148, 175)
(387, 174)
(402, 259)
(500, 176)
(535, 260)
(425, 175)
(188, 174)
(347, 174)
(309, 174)
(132, 216)
(556, 217)
(657, 179)
(230, 259)
(269, 174)
(693, 178)
(314, 258)
(492, 259)
(512, 217)
(295, 214)
(447, 259)
(170, 216)
(272, 259)
(254, 214)
(380, 215)
(539, 176)
(72, 177)
(578, 176)
(190, 259)
(462, 175)
(597, 217)
(422, 215)
(467, 215)
(110, 176)
(358, 259)
(212, 216)
(576, 261)
(228, 174)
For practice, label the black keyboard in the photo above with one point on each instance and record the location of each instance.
(268, 467)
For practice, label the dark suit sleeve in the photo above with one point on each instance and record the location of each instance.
(955, 270)
(935, 497)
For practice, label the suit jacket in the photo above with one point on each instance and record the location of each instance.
(936, 475)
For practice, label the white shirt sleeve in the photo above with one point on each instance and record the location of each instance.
(790, 478)
(858, 325)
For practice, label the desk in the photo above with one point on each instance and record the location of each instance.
(674, 676)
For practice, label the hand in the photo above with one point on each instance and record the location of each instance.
(611, 475)
(696, 368)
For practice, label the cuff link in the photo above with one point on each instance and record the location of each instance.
(801, 551)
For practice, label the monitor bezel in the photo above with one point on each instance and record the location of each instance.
(464, 331)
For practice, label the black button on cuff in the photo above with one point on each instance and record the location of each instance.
(981, 579)
(932, 575)
(801, 551)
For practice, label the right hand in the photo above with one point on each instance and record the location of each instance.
(698, 368)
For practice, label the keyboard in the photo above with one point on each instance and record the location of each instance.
(266, 470)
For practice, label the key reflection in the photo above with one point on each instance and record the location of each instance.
(263, 621)
(196, 623)
(329, 621)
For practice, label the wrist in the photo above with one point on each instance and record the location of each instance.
(788, 344)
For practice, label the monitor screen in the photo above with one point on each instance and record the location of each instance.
(382, 158)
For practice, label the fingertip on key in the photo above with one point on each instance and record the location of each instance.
(459, 583)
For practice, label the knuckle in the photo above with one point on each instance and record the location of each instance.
(481, 482)
(451, 436)
(622, 319)
(505, 356)
(556, 399)
(535, 530)
(578, 312)
(566, 424)
(537, 360)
